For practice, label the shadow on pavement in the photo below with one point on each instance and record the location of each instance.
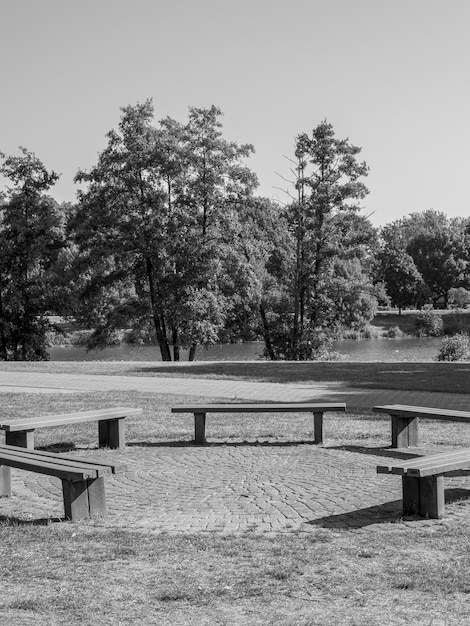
(220, 444)
(382, 513)
(393, 453)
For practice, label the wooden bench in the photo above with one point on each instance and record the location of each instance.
(82, 479)
(111, 430)
(423, 480)
(200, 412)
(405, 421)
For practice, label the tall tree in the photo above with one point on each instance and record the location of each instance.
(150, 222)
(31, 241)
(329, 246)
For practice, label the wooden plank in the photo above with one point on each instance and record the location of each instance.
(5, 481)
(404, 431)
(431, 497)
(23, 438)
(67, 418)
(112, 433)
(96, 497)
(427, 412)
(429, 465)
(300, 407)
(51, 469)
(75, 494)
(318, 427)
(411, 497)
(19, 456)
(200, 428)
(53, 457)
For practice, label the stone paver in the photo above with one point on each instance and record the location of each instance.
(230, 486)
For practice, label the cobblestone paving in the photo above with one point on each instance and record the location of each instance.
(234, 487)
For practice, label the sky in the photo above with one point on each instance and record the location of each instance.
(391, 76)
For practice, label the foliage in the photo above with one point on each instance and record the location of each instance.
(455, 348)
(152, 228)
(459, 297)
(402, 280)
(428, 252)
(429, 324)
(324, 283)
(31, 244)
(394, 332)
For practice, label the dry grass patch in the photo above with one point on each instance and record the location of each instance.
(78, 574)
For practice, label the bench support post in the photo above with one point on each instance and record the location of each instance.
(318, 427)
(5, 481)
(84, 498)
(111, 433)
(404, 431)
(200, 428)
(21, 438)
(424, 496)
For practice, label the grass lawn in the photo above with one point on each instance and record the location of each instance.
(453, 377)
(100, 572)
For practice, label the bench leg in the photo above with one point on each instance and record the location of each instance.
(111, 433)
(5, 481)
(424, 496)
(318, 427)
(200, 428)
(84, 498)
(404, 431)
(21, 438)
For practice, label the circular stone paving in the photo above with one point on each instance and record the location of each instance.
(233, 488)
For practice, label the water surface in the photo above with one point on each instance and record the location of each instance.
(380, 350)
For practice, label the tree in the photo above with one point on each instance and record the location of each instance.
(150, 224)
(402, 280)
(327, 284)
(31, 242)
(435, 246)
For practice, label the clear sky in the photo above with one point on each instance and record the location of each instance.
(391, 75)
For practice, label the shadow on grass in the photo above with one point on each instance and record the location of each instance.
(6, 520)
(382, 513)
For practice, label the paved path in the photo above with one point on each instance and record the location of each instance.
(356, 398)
(236, 486)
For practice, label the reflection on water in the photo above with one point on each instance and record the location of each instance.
(405, 350)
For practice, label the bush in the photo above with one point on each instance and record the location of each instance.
(394, 332)
(429, 324)
(455, 348)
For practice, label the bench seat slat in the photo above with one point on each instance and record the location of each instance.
(59, 462)
(52, 469)
(259, 408)
(53, 457)
(67, 418)
(427, 412)
(430, 465)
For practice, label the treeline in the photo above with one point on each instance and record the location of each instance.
(169, 239)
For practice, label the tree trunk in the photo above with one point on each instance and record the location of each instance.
(176, 347)
(266, 334)
(192, 352)
(157, 316)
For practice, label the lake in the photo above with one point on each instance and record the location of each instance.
(380, 350)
